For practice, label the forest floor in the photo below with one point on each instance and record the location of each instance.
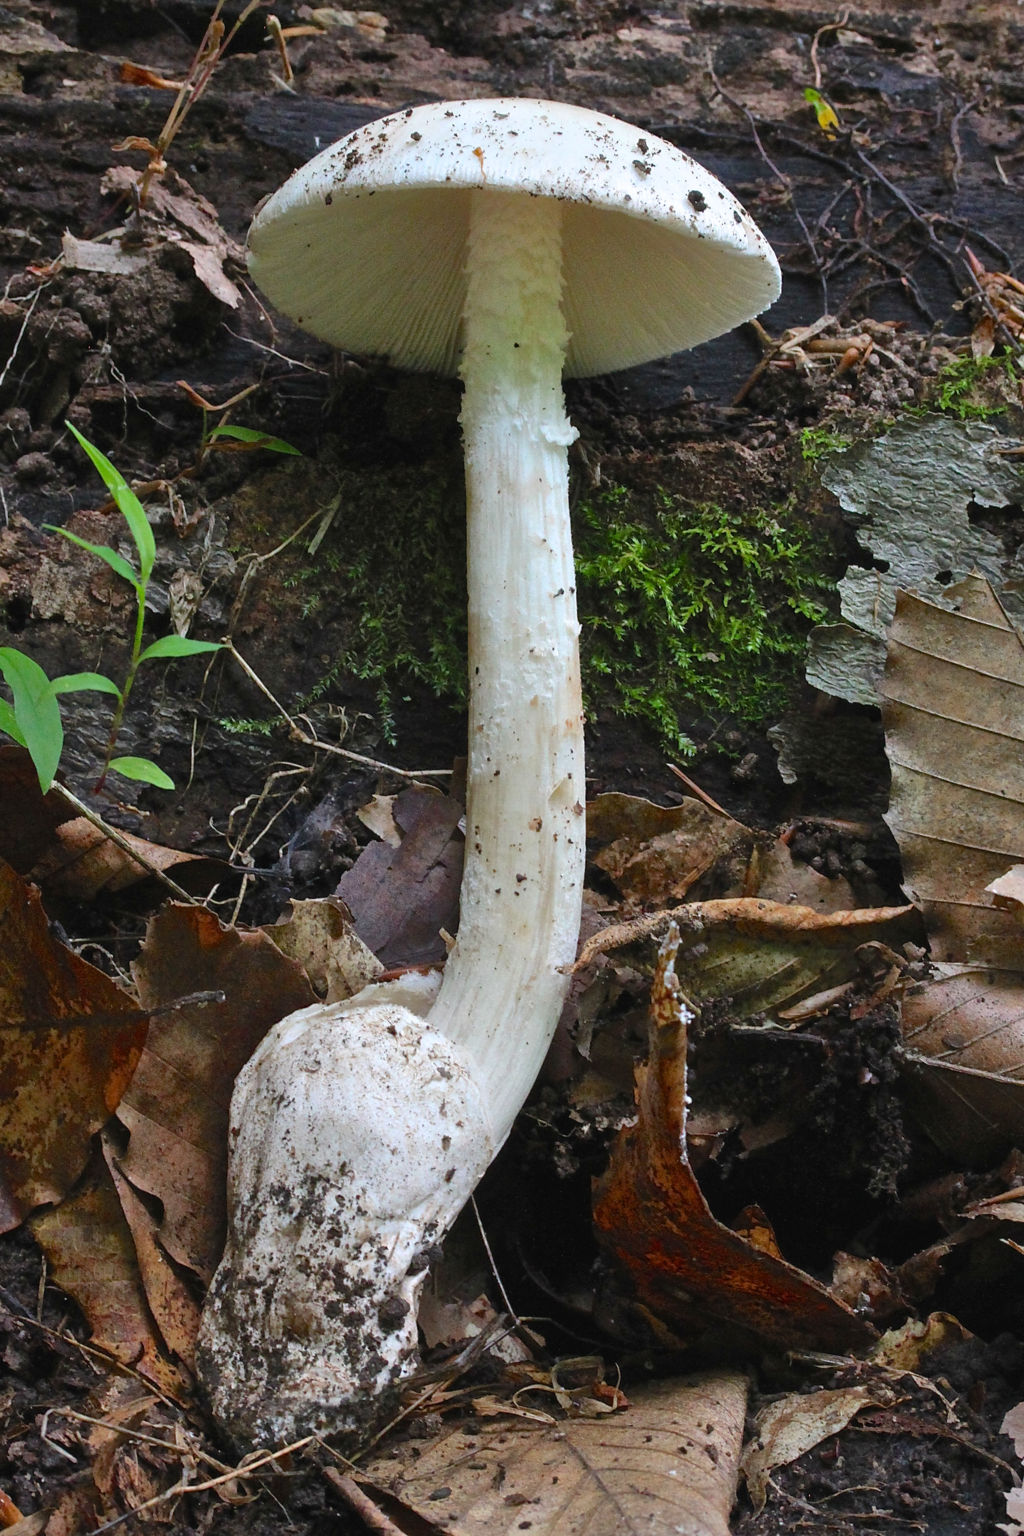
(750, 471)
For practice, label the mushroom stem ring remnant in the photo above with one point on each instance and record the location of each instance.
(513, 242)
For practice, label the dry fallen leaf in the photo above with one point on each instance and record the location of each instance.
(91, 1256)
(763, 955)
(172, 1302)
(667, 1464)
(953, 710)
(905, 1348)
(29, 819)
(964, 1032)
(176, 1109)
(82, 863)
(402, 897)
(690, 1274)
(184, 217)
(786, 1429)
(655, 854)
(319, 936)
(69, 1042)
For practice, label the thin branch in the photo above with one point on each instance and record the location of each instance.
(309, 739)
(818, 265)
(120, 841)
(372, 1516)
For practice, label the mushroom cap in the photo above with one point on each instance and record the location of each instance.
(365, 246)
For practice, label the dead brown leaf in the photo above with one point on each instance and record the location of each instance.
(176, 1109)
(319, 936)
(82, 863)
(66, 1054)
(786, 1429)
(690, 1274)
(173, 1305)
(91, 1255)
(402, 897)
(178, 213)
(668, 1463)
(762, 955)
(656, 854)
(29, 819)
(953, 710)
(776, 876)
(954, 718)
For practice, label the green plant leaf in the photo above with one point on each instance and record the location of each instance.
(9, 723)
(177, 645)
(36, 712)
(126, 501)
(102, 551)
(142, 769)
(85, 682)
(255, 438)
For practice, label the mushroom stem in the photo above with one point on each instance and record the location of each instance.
(361, 1128)
(505, 981)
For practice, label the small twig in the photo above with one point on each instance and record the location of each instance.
(256, 561)
(136, 1434)
(954, 139)
(509, 1308)
(310, 740)
(372, 1516)
(243, 1470)
(695, 789)
(125, 846)
(107, 1020)
(212, 47)
(818, 265)
(831, 26)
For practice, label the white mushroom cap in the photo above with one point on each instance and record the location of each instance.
(365, 245)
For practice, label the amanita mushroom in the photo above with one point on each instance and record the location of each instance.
(511, 241)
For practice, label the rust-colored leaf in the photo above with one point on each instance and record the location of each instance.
(92, 1257)
(689, 1273)
(82, 863)
(656, 854)
(69, 1042)
(141, 74)
(177, 1107)
(172, 1304)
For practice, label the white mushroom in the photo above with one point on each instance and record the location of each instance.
(512, 241)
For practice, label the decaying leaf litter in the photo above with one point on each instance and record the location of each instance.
(127, 1480)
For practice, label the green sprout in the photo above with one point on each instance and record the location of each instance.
(33, 718)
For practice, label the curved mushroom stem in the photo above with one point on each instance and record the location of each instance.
(505, 981)
(360, 1129)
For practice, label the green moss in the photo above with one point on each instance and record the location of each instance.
(691, 610)
(970, 388)
(389, 581)
(685, 610)
(238, 727)
(819, 442)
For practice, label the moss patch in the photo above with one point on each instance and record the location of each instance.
(691, 610)
(687, 610)
(976, 388)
